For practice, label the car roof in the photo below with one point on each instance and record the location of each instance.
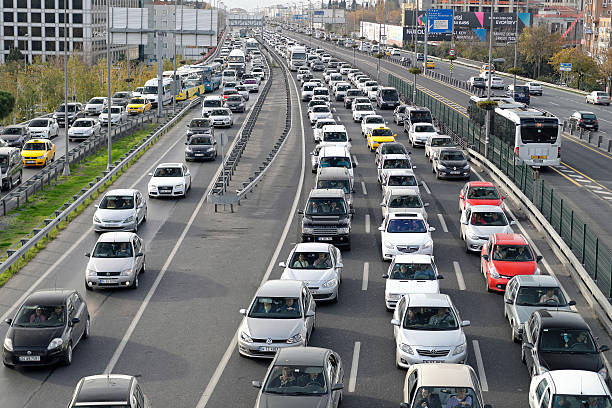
(508, 239)
(428, 299)
(398, 190)
(49, 296)
(480, 184)
(537, 281)
(413, 258)
(116, 236)
(446, 374)
(311, 246)
(405, 215)
(565, 319)
(301, 356)
(334, 128)
(334, 150)
(334, 173)
(7, 149)
(422, 123)
(577, 382)
(39, 140)
(172, 165)
(395, 156)
(486, 208)
(400, 172)
(326, 193)
(104, 388)
(278, 287)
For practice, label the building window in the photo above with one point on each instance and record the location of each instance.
(77, 46)
(77, 19)
(8, 45)
(77, 32)
(22, 31)
(8, 31)
(49, 31)
(50, 45)
(61, 16)
(36, 31)
(8, 17)
(60, 32)
(22, 4)
(36, 4)
(77, 4)
(7, 3)
(22, 17)
(35, 17)
(60, 4)
(37, 45)
(49, 4)
(49, 18)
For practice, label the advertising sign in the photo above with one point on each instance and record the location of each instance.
(440, 20)
(328, 16)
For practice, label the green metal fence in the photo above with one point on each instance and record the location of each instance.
(596, 256)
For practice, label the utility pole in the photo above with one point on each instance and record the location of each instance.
(416, 31)
(516, 33)
(174, 82)
(108, 80)
(66, 161)
(425, 45)
(488, 122)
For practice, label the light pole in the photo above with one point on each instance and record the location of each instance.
(416, 32)
(174, 82)
(66, 158)
(108, 80)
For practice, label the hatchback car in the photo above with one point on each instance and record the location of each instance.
(109, 390)
(221, 117)
(569, 388)
(402, 200)
(170, 180)
(120, 210)
(598, 97)
(138, 105)
(479, 222)
(201, 147)
(83, 128)
(427, 329)
(450, 163)
(371, 121)
(419, 133)
(281, 315)
(319, 266)
(535, 88)
(115, 261)
(304, 376)
(399, 179)
(38, 152)
(479, 193)
(405, 233)
(390, 162)
(15, 135)
(437, 142)
(409, 274)
(47, 327)
(378, 135)
(44, 128)
(477, 82)
(584, 120)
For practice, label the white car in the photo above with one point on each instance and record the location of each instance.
(399, 178)
(211, 102)
(120, 210)
(319, 112)
(301, 72)
(419, 133)
(436, 142)
(95, 105)
(372, 93)
(405, 233)
(427, 329)
(370, 122)
(258, 72)
(136, 93)
(252, 84)
(307, 90)
(243, 91)
(344, 70)
(318, 128)
(598, 97)
(324, 98)
(340, 90)
(335, 135)
(479, 222)
(409, 274)
(364, 86)
(83, 128)
(395, 52)
(402, 200)
(569, 388)
(221, 117)
(170, 180)
(496, 83)
(334, 78)
(43, 128)
(390, 162)
(118, 115)
(362, 109)
(535, 88)
(319, 266)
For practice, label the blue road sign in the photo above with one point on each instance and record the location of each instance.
(440, 21)
(565, 66)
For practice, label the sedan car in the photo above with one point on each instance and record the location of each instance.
(221, 117)
(319, 266)
(450, 163)
(120, 210)
(243, 91)
(479, 222)
(109, 390)
(281, 315)
(535, 88)
(75, 111)
(389, 148)
(138, 105)
(405, 233)
(362, 109)
(497, 83)
(45, 128)
(252, 84)
(302, 377)
(121, 98)
(584, 120)
(235, 103)
(319, 112)
(95, 105)
(201, 147)
(402, 200)
(46, 329)
(569, 388)
(115, 261)
(437, 142)
(83, 128)
(118, 115)
(409, 274)
(15, 135)
(38, 152)
(351, 94)
(170, 180)
(598, 97)
(390, 162)
(399, 178)
(427, 329)
(479, 193)
(419, 133)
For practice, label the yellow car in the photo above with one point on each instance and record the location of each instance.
(430, 65)
(38, 152)
(138, 105)
(379, 135)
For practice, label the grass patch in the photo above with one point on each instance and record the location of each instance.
(22, 221)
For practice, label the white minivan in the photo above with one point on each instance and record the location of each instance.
(336, 156)
(335, 135)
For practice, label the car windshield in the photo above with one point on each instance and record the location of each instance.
(234, 98)
(71, 108)
(320, 108)
(375, 119)
(113, 110)
(296, 380)
(320, 92)
(112, 250)
(389, 95)
(201, 140)
(404, 181)
(113, 202)
(540, 296)
(588, 116)
(342, 184)
(104, 406)
(412, 271)
(100, 101)
(212, 103)
(446, 397)
(352, 92)
(34, 315)
(39, 123)
(442, 141)
(452, 156)
(581, 401)
(310, 260)
(219, 112)
(430, 318)
(34, 146)
(555, 340)
(335, 161)
(406, 226)
(199, 123)
(4, 160)
(325, 206)
(321, 123)
(275, 308)
(488, 219)
(382, 132)
(420, 116)
(405, 201)
(11, 131)
(512, 253)
(168, 172)
(363, 107)
(396, 164)
(483, 193)
(138, 101)
(334, 137)
(424, 128)
(392, 148)
(121, 95)
(83, 123)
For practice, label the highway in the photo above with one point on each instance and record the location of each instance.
(177, 331)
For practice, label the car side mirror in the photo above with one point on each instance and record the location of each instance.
(150, 174)
(440, 277)
(395, 322)
(431, 229)
(88, 254)
(186, 143)
(256, 384)
(282, 264)
(337, 387)
(310, 314)
(488, 406)
(139, 254)
(350, 139)
(75, 320)
(354, 165)
(352, 211)
(485, 257)
(539, 258)
(512, 222)
(300, 212)
(395, 135)
(8, 321)
(572, 303)
(383, 204)
(242, 312)
(528, 345)
(339, 265)
(465, 323)
(509, 301)
(426, 205)
(385, 276)
(604, 348)
(503, 197)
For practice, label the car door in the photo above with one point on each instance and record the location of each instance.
(462, 193)
(338, 262)
(80, 309)
(73, 333)
(484, 264)
(509, 298)
(187, 176)
(309, 307)
(138, 260)
(398, 314)
(529, 340)
(332, 375)
(465, 216)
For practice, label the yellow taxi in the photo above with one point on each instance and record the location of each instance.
(485, 68)
(37, 152)
(430, 64)
(138, 105)
(379, 135)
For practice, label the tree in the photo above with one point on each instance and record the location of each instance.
(537, 43)
(14, 55)
(414, 71)
(584, 67)
(605, 69)
(7, 102)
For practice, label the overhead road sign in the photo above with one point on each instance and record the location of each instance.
(440, 21)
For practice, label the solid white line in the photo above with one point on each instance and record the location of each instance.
(363, 187)
(354, 367)
(355, 160)
(442, 222)
(460, 281)
(481, 372)
(210, 387)
(426, 187)
(367, 223)
(338, 118)
(366, 274)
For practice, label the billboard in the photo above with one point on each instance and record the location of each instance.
(440, 21)
(328, 16)
(394, 34)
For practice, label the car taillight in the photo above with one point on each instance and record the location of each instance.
(581, 121)
(516, 151)
(559, 152)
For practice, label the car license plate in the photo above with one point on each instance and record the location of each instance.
(539, 157)
(455, 172)
(325, 238)
(102, 281)
(199, 154)
(433, 361)
(30, 161)
(29, 358)
(265, 348)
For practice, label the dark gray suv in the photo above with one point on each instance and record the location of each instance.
(327, 218)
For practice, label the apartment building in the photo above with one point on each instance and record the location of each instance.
(597, 14)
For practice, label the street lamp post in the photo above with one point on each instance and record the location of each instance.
(66, 157)
(108, 80)
(516, 33)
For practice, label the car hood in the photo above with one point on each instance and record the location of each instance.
(454, 163)
(200, 148)
(293, 401)
(80, 129)
(496, 202)
(279, 329)
(507, 268)
(113, 215)
(110, 264)
(10, 138)
(568, 361)
(232, 103)
(166, 181)
(217, 117)
(447, 338)
(33, 153)
(34, 337)
(38, 129)
(135, 105)
(424, 135)
(412, 286)
(93, 105)
(311, 277)
(407, 238)
(484, 231)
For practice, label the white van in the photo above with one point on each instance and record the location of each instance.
(228, 75)
(211, 102)
(150, 91)
(335, 135)
(336, 156)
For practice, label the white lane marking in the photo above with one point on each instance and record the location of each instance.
(355, 160)
(460, 281)
(366, 274)
(442, 222)
(338, 118)
(426, 187)
(367, 223)
(212, 383)
(354, 367)
(481, 371)
(363, 187)
(604, 120)
(554, 104)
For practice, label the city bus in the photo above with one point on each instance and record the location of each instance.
(478, 115)
(251, 45)
(212, 76)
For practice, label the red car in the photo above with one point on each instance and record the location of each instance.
(505, 256)
(228, 92)
(479, 193)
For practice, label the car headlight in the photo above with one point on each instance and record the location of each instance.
(388, 244)
(459, 349)
(440, 167)
(152, 187)
(245, 337)
(466, 167)
(91, 272)
(330, 283)
(603, 373)
(129, 219)
(8, 344)
(188, 150)
(55, 343)
(307, 230)
(406, 348)
(493, 272)
(210, 149)
(343, 230)
(294, 339)
(428, 244)
(179, 186)
(126, 272)
(96, 219)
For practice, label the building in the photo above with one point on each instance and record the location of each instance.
(562, 19)
(36, 27)
(597, 15)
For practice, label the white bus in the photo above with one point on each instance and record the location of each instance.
(237, 61)
(251, 45)
(535, 135)
(297, 57)
(150, 91)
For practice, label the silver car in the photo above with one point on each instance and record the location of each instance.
(120, 210)
(282, 314)
(115, 262)
(479, 222)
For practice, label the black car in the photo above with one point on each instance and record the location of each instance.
(387, 97)
(15, 135)
(111, 390)
(235, 103)
(584, 120)
(560, 340)
(75, 111)
(199, 126)
(201, 147)
(45, 330)
(450, 163)
(350, 95)
(11, 167)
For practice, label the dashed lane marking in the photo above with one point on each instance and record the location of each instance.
(354, 367)
(459, 274)
(442, 222)
(367, 223)
(426, 187)
(363, 187)
(484, 385)
(366, 276)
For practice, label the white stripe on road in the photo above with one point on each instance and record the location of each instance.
(338, 118)
(443, 223)
(355, 160)
(363, 187)
(354, 367)
(481, 372)
(367, 223)
(460, 281)
(426, 187)
(366, 274)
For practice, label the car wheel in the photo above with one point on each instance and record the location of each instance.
(487, 285)
(144, 267)
(68, 355)
(87, 331)
(514, 334)
(136, 226)
(136, 283)
(523, 360)
(335, 299)
(397, 358)
(12, 367)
